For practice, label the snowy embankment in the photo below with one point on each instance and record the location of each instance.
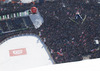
(22, 53)
(23, 1)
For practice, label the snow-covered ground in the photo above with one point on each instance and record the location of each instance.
(14, 58)
(27, 1)
(24, 1)
(86, 65)
(37, 19)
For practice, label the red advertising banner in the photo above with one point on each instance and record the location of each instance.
(17, 52)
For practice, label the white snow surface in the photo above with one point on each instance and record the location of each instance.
(23, 1)
(37, 19)
(27, 1)
(36, 54)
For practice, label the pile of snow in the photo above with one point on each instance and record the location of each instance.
(33, 55)
(27, 1)
(36, 19)
(24, 1)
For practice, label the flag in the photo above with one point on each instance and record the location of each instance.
(0, 18)
(5, 17)
(61, 54)
(17, 14)
(8, 16)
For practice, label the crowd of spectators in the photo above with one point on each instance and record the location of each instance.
(15, 24)
(10, 7)
(67, 40)
(11, 16)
